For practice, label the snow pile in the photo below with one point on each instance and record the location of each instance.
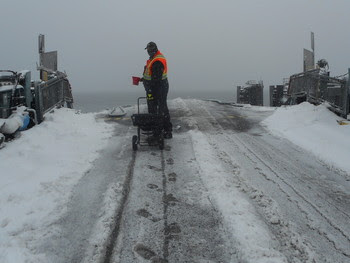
(37, 173)
(257, 108)
(315, 129)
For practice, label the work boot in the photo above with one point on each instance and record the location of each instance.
(168, 135)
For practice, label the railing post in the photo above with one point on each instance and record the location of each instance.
(38, 101)
(346, 110)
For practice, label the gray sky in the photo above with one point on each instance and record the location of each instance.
(210, 45)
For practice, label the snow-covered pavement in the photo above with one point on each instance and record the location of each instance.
(38, 172)
(235, 184)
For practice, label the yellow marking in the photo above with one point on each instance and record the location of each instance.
(343, 123)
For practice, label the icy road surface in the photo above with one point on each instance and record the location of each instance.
(222, 190)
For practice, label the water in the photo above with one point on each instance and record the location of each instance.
(98, 101)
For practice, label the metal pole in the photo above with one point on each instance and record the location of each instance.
(347, 95)
(313, 48)
(41, 43)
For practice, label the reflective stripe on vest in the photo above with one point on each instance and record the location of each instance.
(147, 75)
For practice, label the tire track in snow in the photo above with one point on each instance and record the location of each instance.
(165, 210)
(270, 158)
(195, 232)
(302, 197)
(211, 120)
(255, 244)
(111, 241)
(143, 251)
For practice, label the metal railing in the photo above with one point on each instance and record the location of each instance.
(53, 93)
(317, 87)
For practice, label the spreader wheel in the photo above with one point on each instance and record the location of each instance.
(134, 142)
(161, 141)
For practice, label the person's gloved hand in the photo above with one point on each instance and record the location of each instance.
(141, 79)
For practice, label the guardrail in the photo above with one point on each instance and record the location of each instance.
(316, 87)
(53, 93)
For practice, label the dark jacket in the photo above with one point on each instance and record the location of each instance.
(159, 88)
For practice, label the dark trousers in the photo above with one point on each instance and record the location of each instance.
(157, 104)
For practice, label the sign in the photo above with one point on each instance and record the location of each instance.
(309, 63)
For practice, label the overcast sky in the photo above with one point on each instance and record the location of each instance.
(209, 45)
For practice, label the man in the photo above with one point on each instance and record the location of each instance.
(155, 81)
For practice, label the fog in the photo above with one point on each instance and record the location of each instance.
(209, 45)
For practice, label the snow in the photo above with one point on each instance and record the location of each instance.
(39, 170)
(315, 129)
(6, 88)
(255, 243)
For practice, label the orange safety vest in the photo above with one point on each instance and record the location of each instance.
(147, 74)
